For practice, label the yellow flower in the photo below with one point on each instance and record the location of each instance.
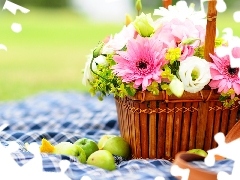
(46, 147)
(173, 54)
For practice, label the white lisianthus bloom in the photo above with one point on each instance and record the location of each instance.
(87, 73)
(181, 11)
(176, 87)
(119, 40)
(194, 72)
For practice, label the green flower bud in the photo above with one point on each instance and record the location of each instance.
(138, 5)
(190, 41)
(97, 51)
(176, 87)
(192, 5)
(143, 25)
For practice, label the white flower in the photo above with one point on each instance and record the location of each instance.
(119, 40)
(176, 87)
(88, 74)
(182, 12)
(194, 73)
(100, 60)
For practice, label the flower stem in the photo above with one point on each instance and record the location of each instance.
(91, 68)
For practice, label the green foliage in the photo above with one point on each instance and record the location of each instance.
(165, 87)
(42, 3)
(219, 42)
(105, 82)
(199, 52)
(170, 70)
(154, 88)
(167, 73)
(228, 98)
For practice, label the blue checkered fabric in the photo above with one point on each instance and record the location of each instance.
(68, 116)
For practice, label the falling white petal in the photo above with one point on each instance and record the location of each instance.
(3, 47)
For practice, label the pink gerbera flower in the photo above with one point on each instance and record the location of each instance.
(141, 63)
(223, 76)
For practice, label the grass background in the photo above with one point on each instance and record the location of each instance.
(50, 52)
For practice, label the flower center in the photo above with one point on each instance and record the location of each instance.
(233, 71)
(142, 65)
(195, 74)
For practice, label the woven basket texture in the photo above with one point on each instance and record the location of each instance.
(161, 126)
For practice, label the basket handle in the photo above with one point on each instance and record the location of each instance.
(210, 30)
(234, 132)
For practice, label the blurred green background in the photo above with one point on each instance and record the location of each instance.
(50, 52)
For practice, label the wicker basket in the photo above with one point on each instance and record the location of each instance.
(161, 126)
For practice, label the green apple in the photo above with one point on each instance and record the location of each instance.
(102, 159)
(67, 148)
(198, 152)
(118, 146)
(104, 139)
(88, 145)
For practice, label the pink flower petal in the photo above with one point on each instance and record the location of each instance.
(222, 85)
(141, 63)
(236, 52)
(218, 77)
(214, 84)
(236, 87)
(223, 76)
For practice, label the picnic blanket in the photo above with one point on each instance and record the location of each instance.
(68, 116)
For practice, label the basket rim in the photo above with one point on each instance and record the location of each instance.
(201, 96)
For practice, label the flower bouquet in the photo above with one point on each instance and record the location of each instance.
(171, 79)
